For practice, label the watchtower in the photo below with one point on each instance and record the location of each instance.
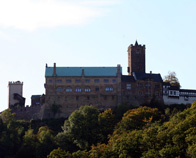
(15, 94)
(136, 58)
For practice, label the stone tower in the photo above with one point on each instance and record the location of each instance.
(15, 94)
(136, 58)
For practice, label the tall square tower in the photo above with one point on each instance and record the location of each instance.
(136, 58)
(15, 94)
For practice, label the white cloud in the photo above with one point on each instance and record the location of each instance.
(4, 36)
(32, 14)
(101, 2)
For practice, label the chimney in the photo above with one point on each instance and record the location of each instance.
(54, 70)
(82, 72)
(118, 69)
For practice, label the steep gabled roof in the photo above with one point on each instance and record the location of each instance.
(146, 76)
(127, 78)
(77, 71)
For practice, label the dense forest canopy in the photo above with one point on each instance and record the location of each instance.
(141, 132)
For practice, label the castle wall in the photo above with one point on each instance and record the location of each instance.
(178, 100)
(140, 92)
(72, 92)
(28, 113)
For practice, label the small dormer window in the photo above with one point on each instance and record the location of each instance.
(137, 52)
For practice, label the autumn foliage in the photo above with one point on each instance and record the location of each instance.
(142, 132)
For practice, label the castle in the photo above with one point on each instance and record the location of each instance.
(68, 88)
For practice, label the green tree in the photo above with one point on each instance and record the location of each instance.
(107, 123)
(137, 118)
(46, 142)
(172, 79)
(65, 142)
(7, 116)
(59, 153)
(82, 126)
(29, 145)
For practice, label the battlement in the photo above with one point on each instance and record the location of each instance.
(15, 83)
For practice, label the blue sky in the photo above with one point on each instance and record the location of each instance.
(93, 33)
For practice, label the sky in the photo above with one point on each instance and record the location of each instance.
(93, 33)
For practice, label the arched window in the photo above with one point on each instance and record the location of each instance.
(68, 89)
(111, 89)
(78, 89)
(87, 89)
(107, 89)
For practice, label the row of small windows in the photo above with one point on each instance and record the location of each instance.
(107, 89)
(187, 93)
(148, 85)
(89, 98)
(86, 81)
(69, 89)
(128, 86)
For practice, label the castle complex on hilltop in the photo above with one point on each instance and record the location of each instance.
(68, 88)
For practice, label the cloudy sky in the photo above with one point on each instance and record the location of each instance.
(93, 33)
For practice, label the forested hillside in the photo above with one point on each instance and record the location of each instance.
(142, 132)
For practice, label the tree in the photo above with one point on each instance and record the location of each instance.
(82, 125)
(137, 118)
(172, 79)
(59, 153)
(7, 116)
(46, 142)
(106, 123)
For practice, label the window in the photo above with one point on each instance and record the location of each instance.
(50, 81)
(139, 85)
(87, 81)
(78, 89)
(59, 89)
(113, 97)
(59, 81)
(106, 81)
(77, 97)
(88, 98)
(107, 89)
(68, 81)
(96, 80)
(148, 85)
(140, 93)
(113, 81)
(87, 89)
(78, 81)
(68, 89)
(128, 86)
(96, 89)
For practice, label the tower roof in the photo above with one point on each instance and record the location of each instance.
(136, 44)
